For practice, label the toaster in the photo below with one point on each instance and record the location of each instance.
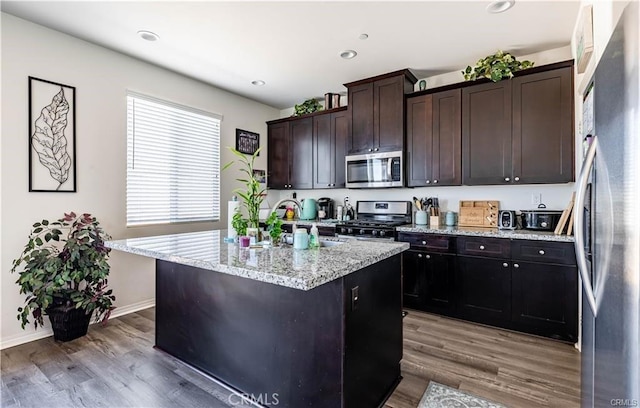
(507, 220)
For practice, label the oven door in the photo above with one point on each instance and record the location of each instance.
(374, 170)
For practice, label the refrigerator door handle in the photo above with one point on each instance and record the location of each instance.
(578, 223)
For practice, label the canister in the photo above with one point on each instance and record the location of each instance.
(450, 218)
(301, 239)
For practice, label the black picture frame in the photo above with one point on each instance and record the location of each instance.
(52, 136)
(247, 142)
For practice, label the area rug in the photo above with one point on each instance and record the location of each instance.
(441, 396)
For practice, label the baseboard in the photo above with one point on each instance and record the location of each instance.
(41, 333)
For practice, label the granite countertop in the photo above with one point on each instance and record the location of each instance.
(488, 232)
(320, 223)
(284, 266)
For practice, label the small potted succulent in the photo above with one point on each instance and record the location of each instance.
(495, 67)
(63, 272)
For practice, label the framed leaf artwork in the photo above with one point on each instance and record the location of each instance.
(52, 136)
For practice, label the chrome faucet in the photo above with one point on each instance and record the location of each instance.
(285, 200)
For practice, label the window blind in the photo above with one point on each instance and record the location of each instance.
(173, 162)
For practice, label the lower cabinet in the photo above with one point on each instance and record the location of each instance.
(529, 286)
(484, 290)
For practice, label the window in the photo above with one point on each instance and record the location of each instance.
(173, 162)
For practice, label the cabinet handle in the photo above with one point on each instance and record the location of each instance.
(428, 182)
(428, 256)
(507, 179)
(435, 181)
(376, 149)
(516, 266)
(516, 178)
(541, 252)
(481, 246)
(424, 242)
(505, 264)
(419, 255)
(370, 150)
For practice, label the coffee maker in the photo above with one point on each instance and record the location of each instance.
(325, 208)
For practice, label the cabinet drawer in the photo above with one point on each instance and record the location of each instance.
(486, 247)
(543, 251)
(429, 242)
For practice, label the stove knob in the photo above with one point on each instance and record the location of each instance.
(343, 230)
(383, 233)
(350, 230)
(361, 232)
(374, 233)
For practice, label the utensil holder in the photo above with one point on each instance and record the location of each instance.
(421, 217)
(434, 221)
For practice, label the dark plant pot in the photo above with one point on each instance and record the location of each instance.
(68, 323)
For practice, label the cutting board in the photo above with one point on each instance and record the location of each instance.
(479, 213)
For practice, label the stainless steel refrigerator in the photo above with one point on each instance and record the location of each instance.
(607, 225)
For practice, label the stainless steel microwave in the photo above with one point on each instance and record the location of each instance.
(374, 170)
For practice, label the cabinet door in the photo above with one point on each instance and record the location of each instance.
(413, 279)
(301, 142)
(340, 130)
(324, 152)
(484, 290)
(486, 133)
(361, 107)
(543, 127)
(439, 295)
(419, 140)
(278, 156)
(545, 299)
(388, 116)
(446, 155)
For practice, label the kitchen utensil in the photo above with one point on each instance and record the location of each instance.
(309, 209)
(478, 213)
(417, 203)
(540, 219)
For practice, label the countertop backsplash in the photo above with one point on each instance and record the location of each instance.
(554, 196)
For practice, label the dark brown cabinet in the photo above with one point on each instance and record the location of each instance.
(433, 139)
(330, 135)
(428, 270)
(529, 286)
(290, 145)
(376, 106)
(543, 127)
(545, 289)
(520, 130)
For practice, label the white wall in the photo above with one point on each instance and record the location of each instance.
(101, 78)
(555, 196)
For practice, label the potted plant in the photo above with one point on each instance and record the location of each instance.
(308, 106)
(496, 67)
(274, 226)
(63, 272)
(252, 196)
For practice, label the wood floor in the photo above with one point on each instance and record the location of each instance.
(116, 366)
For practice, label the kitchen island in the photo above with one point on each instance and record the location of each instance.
(286, 328)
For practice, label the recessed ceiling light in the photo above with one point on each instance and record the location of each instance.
(258, 82)
(148, 35)
(499, 6)
(348, 54)
(363, 36)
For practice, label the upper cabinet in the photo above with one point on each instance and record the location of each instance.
(330, 135)
(433, 139)
(290, 143)
(377, 113)
(519, 131)
(308, 152)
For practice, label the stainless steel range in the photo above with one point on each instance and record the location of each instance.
(376, 220)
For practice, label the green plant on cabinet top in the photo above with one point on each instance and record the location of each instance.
(308, 106)
(65, 264)
(495, 67)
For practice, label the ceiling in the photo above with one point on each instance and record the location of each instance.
(294, 46)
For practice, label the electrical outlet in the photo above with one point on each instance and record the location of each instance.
(536, 199)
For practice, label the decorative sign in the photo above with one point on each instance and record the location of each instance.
(247, 142)
(584, 39)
